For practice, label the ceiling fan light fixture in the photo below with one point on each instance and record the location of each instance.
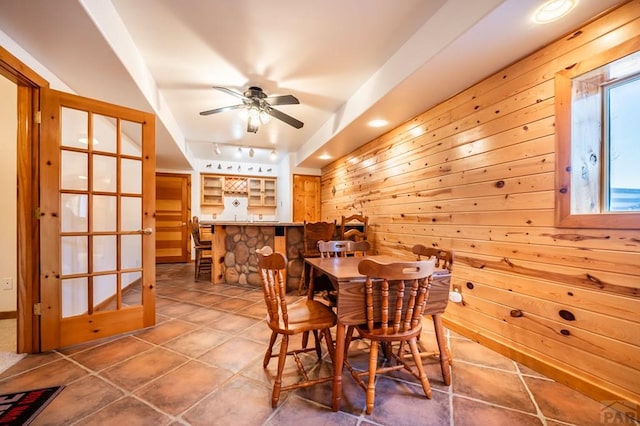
(264, 116)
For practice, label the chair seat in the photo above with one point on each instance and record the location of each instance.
(388, 336)
(306, 315)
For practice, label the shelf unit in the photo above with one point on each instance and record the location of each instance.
(211, 190)
(262, 192)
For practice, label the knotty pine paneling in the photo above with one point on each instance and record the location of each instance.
(475, 174)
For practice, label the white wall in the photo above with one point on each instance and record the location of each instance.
(8, 192)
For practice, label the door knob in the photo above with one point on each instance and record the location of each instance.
(146, 231)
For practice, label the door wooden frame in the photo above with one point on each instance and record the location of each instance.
(28, 181)
(187, 209)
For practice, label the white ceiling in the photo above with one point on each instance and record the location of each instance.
(347, 61)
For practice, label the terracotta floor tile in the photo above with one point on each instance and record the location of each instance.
(203, 316)
(558, 402)
(183, 387)
(78, 400)
(227, 356)
(165, 331)
(235, 304)
(467, 412)
(494, 386)
(141, 369)
(127, 411)
(60, 372)
(108, 354)
(295, 408)
(197, 342)
(238, 402)
(208, 370)
(234, 323)
(472, 352)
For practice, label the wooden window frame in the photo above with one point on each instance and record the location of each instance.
(564, 218)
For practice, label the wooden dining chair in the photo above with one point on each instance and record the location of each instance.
(334, 248)
(286, 319)
(395, 296)
(203, 256)
(311, 234)
(354, 227)
(437, 303)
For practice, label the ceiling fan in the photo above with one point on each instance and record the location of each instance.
(259, 106)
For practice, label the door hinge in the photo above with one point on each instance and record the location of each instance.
(38, 117)
(37, 213)
(36, 309)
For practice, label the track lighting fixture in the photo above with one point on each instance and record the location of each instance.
(251, 152)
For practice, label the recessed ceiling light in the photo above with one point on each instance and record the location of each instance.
(325, 157)
(553, 9)
(378, 123)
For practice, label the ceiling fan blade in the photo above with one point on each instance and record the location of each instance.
(222, 109)
(231, 92)
(285, 117)
(283, 100)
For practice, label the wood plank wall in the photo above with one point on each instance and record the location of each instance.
(475, 174)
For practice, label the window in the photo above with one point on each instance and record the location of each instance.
(598, 144)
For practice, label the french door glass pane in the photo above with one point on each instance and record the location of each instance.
(74, 170)
(104, 213)
(132, 288)
(131, 176)
(131, 138)
(104, 133)
(104, 173)
(105, 289)
(74, 212)
(74, 255)
(131, 213)
(131, 248)
(104, 253)
(75, 124)
(74, 297)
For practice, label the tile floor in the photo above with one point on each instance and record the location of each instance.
(202, 365)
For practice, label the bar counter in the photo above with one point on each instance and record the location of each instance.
(234, 244)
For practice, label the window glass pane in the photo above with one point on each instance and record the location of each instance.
(75, 125)
(104, 173)
(74, 212)
(131, 138)
(104, 213)
(131, 176)
(104, 253)
(624, 146)
(75, 300)
(74, 255)
(105, 291)
(104, 133)
(74, 170)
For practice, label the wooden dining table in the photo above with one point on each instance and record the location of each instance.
(344, 275)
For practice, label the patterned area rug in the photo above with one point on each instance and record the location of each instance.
(21, 408)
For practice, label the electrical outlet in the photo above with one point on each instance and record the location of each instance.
(6, 284)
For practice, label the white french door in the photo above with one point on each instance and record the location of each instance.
(97, 217)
